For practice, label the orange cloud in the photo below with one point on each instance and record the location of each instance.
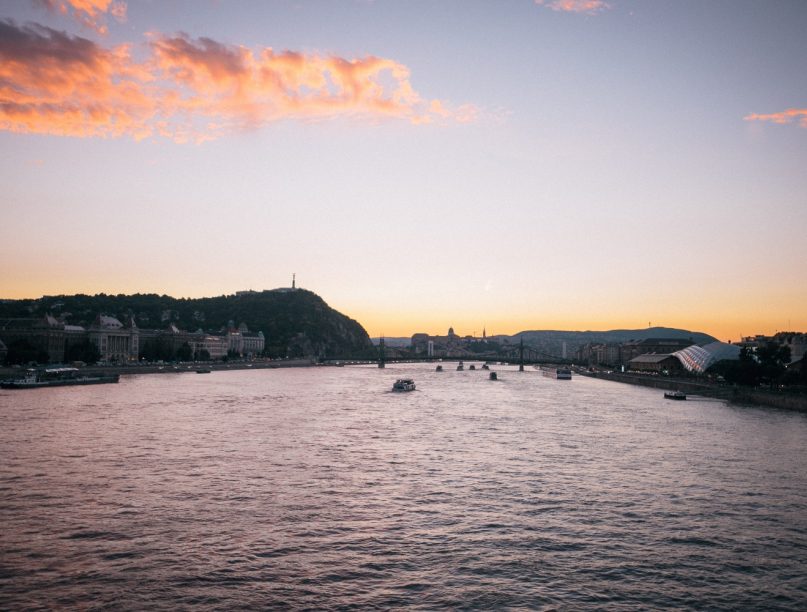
(237, 85)
(575, 6)
(788, 116)
(53, 83)
(190, 89)
(89, 13)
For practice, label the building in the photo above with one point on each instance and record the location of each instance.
(215, 346)
(450, 345)
(44, 334)
(254, 343)
(796, 342)
(604, 354)
(121, 343)
(698, 359)
(663, 362)
(116, 342)
(634, 348)
(244, 343)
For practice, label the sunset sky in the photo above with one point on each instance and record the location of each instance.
(506, 164)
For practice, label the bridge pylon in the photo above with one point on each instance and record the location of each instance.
(521, 356)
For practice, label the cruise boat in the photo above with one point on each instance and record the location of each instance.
(404, 384)
(675, 395)
(556, 372)
(57, 377)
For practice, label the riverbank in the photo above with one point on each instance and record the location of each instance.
(733, 394)
(136, 369)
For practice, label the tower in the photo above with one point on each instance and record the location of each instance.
(293, 280)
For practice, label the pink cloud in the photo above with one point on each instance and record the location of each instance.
(53, 83)
(89, 13)
(788, 116)
(575, 6)
(192, 89)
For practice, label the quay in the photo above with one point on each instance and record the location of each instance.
(734, 394)
(172, 368)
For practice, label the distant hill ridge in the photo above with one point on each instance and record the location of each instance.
(551, 341)
(296, 322)
(618, 335)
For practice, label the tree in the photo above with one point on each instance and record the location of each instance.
(85, 351)
(184, 352)
(773, 359)
(22, 351)
(157, 349)
(745, 371)
(203, 355)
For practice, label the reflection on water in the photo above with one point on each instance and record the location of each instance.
(321, 488)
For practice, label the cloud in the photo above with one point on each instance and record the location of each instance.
(191, 89)
(246, 87)
(575, 6)
(89, 13)
(54, 83)
(788, 116)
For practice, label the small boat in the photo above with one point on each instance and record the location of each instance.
(203, 371)
(57, 377)
(472, 367)
(675, 395)
(556, 372)
(439, 368)
(404, 384)
(485, 366)
(460, 366)
(493, 376)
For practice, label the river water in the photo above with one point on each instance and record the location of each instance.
(319, 488)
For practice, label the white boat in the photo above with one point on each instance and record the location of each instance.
(404, 384)
(675, 395)
(556, 372)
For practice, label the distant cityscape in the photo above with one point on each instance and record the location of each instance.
(54, 338)
(652, 354)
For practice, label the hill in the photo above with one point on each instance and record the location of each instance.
(294, 322)
(551, 341)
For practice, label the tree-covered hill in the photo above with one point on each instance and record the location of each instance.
(294, 322)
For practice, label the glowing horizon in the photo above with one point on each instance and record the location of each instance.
(725, 326)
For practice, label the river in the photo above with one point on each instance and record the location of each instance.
(319, 488)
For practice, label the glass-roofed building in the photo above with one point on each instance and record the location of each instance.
(698, 359)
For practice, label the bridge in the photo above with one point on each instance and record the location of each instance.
(517, 355)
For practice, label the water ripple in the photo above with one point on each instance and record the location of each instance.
(318, 489)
